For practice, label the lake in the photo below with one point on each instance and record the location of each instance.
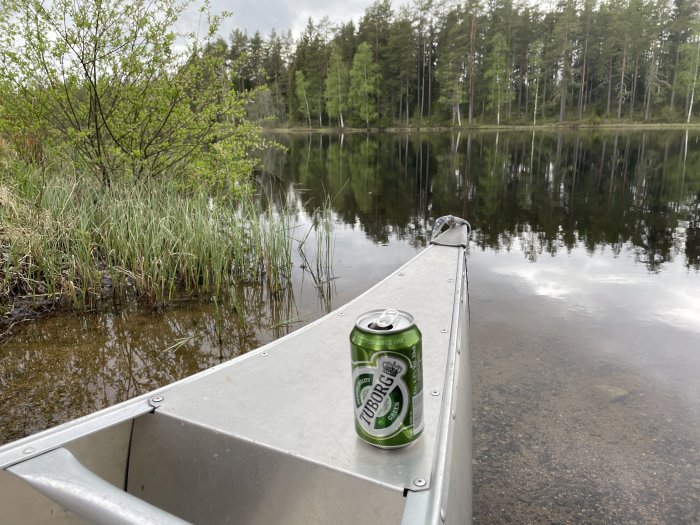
(584, 275)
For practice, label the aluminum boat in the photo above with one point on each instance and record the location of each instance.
(268, 437)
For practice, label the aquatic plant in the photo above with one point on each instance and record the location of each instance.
(64, 237)
(320, 250)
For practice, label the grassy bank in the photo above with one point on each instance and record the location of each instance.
(64, 239)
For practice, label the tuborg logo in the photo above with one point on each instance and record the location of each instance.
(381, 395)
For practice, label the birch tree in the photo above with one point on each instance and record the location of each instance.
(106, 80)
(337, 85)
(364, 85)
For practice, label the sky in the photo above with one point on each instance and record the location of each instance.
(264, 15)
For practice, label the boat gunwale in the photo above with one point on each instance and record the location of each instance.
(55, 437)
(428, 505)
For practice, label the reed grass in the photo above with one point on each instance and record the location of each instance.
(63, 237)
(321, 248)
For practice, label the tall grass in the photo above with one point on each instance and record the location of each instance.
(317, 244)
(64, 237)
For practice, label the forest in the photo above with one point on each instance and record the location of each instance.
(447, 63)
(128, 148)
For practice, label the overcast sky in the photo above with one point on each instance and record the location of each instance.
(264, 15)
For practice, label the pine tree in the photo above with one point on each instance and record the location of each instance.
(451, 70)
(497, 75)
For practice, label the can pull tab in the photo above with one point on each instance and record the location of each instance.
(386, 320)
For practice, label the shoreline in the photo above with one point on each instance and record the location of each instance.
(552, 127)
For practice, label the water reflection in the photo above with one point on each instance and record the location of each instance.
(594, 221)
(607, 288)
(552, 192)
(66, 366)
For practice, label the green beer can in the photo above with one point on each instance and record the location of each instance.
(387, 378)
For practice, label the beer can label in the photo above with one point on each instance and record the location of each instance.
(387, 380)
(381, 395)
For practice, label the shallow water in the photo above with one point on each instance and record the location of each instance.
(585, 393)
(585, 310)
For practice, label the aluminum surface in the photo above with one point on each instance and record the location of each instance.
(63, 479)
(105, 453)
(269, 438)
(388, 320)
(32, 446)
(214, 478)
(449, 500)
(296, 397)
(458, 237)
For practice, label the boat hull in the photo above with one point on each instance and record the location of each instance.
(269, 438)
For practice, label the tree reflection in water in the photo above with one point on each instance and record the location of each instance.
(544, 193)
(70, 365)
(553, 191)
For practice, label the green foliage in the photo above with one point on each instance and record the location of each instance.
(569, 60)
(632, 60)
(337, 87)
(452, 64)
(113, 83)
(690, 68)
(302, 92)
(67, 238)
(311, 60)
(364, 85)
(500, 91)
(402, 50)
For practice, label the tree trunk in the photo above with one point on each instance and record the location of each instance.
(607, 108)
(652, 79)
(534, 113)
(430, 75)
(422, 91)
(695, 80)
(407, 99)
(498, 107)
(582, 92)
(544, 95)
(562, 102)
(621, 94)
(564, 89)
(527, 97)
(472, 67)
(634, 83)
(672, 103)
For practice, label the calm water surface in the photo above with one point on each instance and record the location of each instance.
(585, 310)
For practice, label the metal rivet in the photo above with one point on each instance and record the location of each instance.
(419, 482)
(264, 354)
(450, 280)
(444, 331)
(28, 450)
(443, 515)
(341, 314)
(434, 392)
(157, 399)
(402, 274)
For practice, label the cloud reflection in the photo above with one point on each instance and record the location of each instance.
(605, 285)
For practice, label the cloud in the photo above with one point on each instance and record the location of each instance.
(265, 15)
